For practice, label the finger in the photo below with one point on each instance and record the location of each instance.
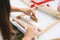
(33, 13)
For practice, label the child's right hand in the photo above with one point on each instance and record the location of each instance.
(31, 32)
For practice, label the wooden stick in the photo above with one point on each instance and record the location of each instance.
(48, 10)
(56, 39)
(48, 27)
(21, 23)
(25, 2)
(25, 20)
(28, 4)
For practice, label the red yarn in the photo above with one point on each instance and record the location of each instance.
(47, 5)
(32, 5)
(39, 3)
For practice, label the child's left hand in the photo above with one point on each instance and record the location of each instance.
(29, 12)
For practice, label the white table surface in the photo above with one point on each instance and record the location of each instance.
(43, 20)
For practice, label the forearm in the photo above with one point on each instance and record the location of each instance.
(16, 9)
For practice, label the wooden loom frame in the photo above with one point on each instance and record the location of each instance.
(56, 39)
(46, 9)
(41, 31)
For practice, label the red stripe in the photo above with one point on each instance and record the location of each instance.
(39, 3)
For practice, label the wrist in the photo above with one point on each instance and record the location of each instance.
(26, 38)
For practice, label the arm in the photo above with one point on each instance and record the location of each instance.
(27, 11)
(30, 33)
(16, 9)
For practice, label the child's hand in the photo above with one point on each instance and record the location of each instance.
(29, 12)
(31, 32)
